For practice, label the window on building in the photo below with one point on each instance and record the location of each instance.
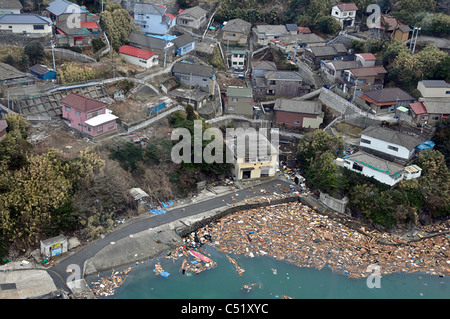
(111, 126)
(357, 167)
(393, 148)
(67, 109)
(38, 27)
(435, 118)
(100, 129)
(231, 108)
(234, 99)
(296, 122)
(447, 92)
(78, 113)
(363, 140)
(272, 82)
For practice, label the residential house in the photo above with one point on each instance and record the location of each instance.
(386, 100)
(254, 155)
(392, 28)
(297, 43)
(434, 105)
(298, 113)
(61, 10)
(184, 44)
(292, 28)
(345, 13)
(11, 79)
(434, 89)
(43, 72)
(236, 31)
(153, 18)
(195, 97)
(10, 7)
(382, 170)
(239, 100)
(366, 59)
(333, 69)
(280, 84)
(87, 115)
(72, 35)
(142, 58)
(259, 68)
(3, 127)
(314, 55)
(268, 32)
(362, 79)
(237, 59)
(92, 27)
(389, 142)
(192, 18)
(164, 48)
(430, 111)
(194, 75)
(27, 23)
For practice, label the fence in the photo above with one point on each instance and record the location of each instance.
(72, 56)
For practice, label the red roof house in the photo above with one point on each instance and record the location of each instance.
(139, 57)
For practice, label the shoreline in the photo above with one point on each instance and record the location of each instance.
(233, 234)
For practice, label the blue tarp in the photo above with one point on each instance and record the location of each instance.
(425, 145)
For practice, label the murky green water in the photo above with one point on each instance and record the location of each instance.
(223, 282)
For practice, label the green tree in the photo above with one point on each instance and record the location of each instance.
(117, 24)
(34, 50)
(327, 25)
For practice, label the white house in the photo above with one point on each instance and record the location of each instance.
(345, 13)
(238, 58)
(382, 170)
(434, 89)
(139, 57)
(27, 23)
(10, 7)
(254, 155)
(153, 18)
(390, 142)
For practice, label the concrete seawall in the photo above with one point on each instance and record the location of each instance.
(156, 241)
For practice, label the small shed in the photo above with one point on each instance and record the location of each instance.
(138, 194)
(54, 246)
(43, 72)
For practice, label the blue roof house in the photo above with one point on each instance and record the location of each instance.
(43, 72)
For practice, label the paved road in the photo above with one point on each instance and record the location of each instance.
(59, 273)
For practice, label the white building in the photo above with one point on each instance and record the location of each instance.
(27, 23)
(10, 7)
(345, 13)
(238, 58)
(143, 58)
(382, 170)
(54, 246)
(434, 89)
(254, 155)
(390, 142)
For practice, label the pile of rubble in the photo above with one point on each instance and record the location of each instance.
(296, 233)
(106, 286)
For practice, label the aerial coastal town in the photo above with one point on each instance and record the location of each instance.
(327, 122)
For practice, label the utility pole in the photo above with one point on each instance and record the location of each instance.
(415, 41)
(53, 54)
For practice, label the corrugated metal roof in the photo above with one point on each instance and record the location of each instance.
(139, 53)
(26, 18)
(59, 7)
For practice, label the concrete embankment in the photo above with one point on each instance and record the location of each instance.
(159, 240)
